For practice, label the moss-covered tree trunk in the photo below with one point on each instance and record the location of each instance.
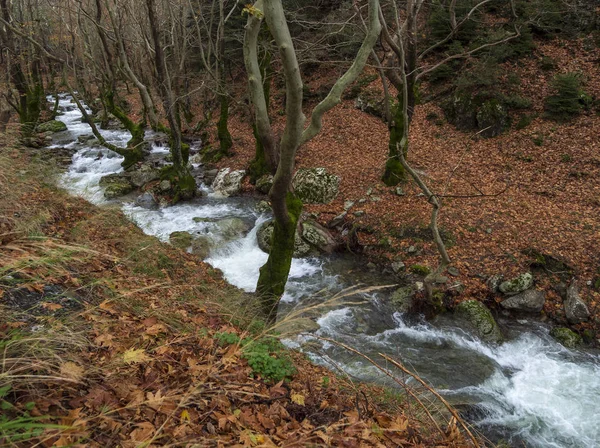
(394, 172)
(134, 152)
(274, 273)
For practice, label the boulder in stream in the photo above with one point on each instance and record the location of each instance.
(116, 185)
(403, 299)
(530, 301)
(575, 308)
(181, 240)
(201, 246)
(228, 183)
(315, 185)
(516, 285)
(142, 174)
(265, 234)
(566, 337)
(52, 126)
(231, 228)
(311, 239)
(480, 319)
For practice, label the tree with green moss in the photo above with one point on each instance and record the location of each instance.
(402, 26)
(286, 206)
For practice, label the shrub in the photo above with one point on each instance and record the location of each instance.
(524, 121)
(568, 99)
(547, 63)
(266, 356)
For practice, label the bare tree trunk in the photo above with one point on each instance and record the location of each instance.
(185, 185)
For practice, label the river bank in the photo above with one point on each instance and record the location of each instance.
(139, 339)
(502, 389)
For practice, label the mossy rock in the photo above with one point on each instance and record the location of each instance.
(181, 240)
(484, 112)
(566, 337)
(264, 183)
(402, 299)
(116, 185)
(480, 319)
(516, 285)
(52, 126)
(315, 185)
(492, 118)
(264, 237)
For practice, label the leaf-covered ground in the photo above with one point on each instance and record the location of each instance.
(139, 346)
(540, 184)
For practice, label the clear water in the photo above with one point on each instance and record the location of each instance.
(530, 389)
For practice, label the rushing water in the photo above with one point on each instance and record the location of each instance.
(530, 390)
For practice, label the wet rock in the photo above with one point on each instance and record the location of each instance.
(231, 228)
(210, 176)
(517, 284)
(143, 174)
(146, 200)
(412, 250)
(575, 308)
(296, 326)
(204, 219)
(566, 337)
(319, 237)
(228, 183)
(264, 183)
(315, 185)
(201, 246)
(116, 185)
(403, 299)
(52, 126)
(480, 319)
(530, 301)
(86, 138)
(181, 240)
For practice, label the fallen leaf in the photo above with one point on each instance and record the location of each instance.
(72, 370)
(51, 306)
(135, 356)
(298, 399)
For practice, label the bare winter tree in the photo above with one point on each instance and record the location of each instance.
(286, 206)
(400, 32)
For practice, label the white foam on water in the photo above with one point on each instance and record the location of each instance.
(241, 260)
(180, 217)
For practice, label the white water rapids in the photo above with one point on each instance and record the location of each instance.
(529, 390)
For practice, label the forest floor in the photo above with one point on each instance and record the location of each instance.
(122, 340)
(509, 199)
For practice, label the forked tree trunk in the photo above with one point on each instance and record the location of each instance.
(286, 206)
